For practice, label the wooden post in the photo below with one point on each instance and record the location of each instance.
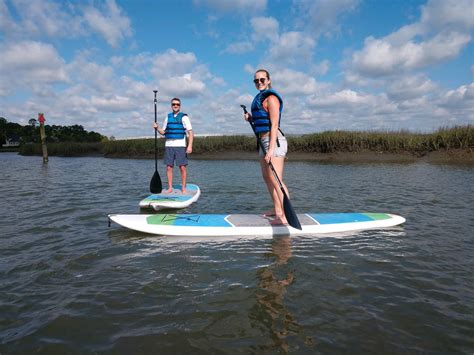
(43, 137)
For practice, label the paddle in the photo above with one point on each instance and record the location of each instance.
(287, 207)
(155, 183)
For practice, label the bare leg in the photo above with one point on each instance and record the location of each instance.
(278, 164)
(274, 188)
(184, 175)
(169, 174)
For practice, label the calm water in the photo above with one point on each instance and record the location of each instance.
(71, 284)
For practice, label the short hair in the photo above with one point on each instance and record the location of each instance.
(175, 99)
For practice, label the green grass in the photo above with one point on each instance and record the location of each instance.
(444, 139)
(64, 149)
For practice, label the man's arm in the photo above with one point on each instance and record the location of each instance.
(158, 129)
(189, 149)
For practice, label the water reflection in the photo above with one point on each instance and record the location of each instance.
(271, 311)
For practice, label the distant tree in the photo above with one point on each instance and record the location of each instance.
(112, 138)
(54, 133)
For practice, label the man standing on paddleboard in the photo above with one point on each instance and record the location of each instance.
(176, 127)
(265, 118)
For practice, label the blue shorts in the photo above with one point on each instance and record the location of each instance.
(177, 154)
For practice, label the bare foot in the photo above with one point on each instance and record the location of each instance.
(183, 191)
(170, 190)
(279, 222)
(270, 213)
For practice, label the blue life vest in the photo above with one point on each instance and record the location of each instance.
(260, 117)
(174, 126)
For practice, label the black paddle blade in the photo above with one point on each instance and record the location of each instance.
(290, 213)
(155, 184)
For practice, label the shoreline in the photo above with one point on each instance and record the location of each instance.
(454, 156)
(441, 157)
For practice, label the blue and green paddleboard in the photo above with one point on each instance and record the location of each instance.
(203, 225)
(173, 199)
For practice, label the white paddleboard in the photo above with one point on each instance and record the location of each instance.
(203, 225)
(174, 199)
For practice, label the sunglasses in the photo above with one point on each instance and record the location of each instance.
(262, 81)
(173, 104)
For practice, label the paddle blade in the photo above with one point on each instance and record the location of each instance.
(155, 184)
(290, 213)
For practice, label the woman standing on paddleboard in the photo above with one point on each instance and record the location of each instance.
(265, 118)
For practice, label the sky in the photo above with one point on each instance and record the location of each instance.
(385, 65)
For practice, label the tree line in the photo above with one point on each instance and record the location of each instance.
(54, 133)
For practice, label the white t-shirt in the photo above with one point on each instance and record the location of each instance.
(181, 142)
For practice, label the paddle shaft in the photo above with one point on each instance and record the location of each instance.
(156, 136)
(155, 184)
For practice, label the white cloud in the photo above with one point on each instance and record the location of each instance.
(114, 103)
(96, 79)
(40, 19)
(182, 86)
(344, 98)
(440, 35)
(321, 16)
(462, 97)
(172, 63)
(320, 68)
(28, 63)
(292, 47)
(381, 57)
(7, 25)
(45, 17)
(264, 28)
(454, 14)
(239, 48)
(410, 87)
(222, 114)
(234, 5)
(293, 82)
(112, 24)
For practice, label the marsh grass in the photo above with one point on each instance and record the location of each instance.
(64, 149)
(444, 139)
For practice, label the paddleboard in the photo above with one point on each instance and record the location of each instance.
(202, 225)
(174, 199)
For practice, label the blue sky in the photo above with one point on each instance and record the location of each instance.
(339, 64)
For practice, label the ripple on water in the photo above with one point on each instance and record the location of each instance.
(70, 283)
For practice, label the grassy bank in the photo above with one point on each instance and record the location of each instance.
(459, 138)
(65, 149)
(456, 138)
(9, 150)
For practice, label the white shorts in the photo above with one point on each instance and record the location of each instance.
(280, 151)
